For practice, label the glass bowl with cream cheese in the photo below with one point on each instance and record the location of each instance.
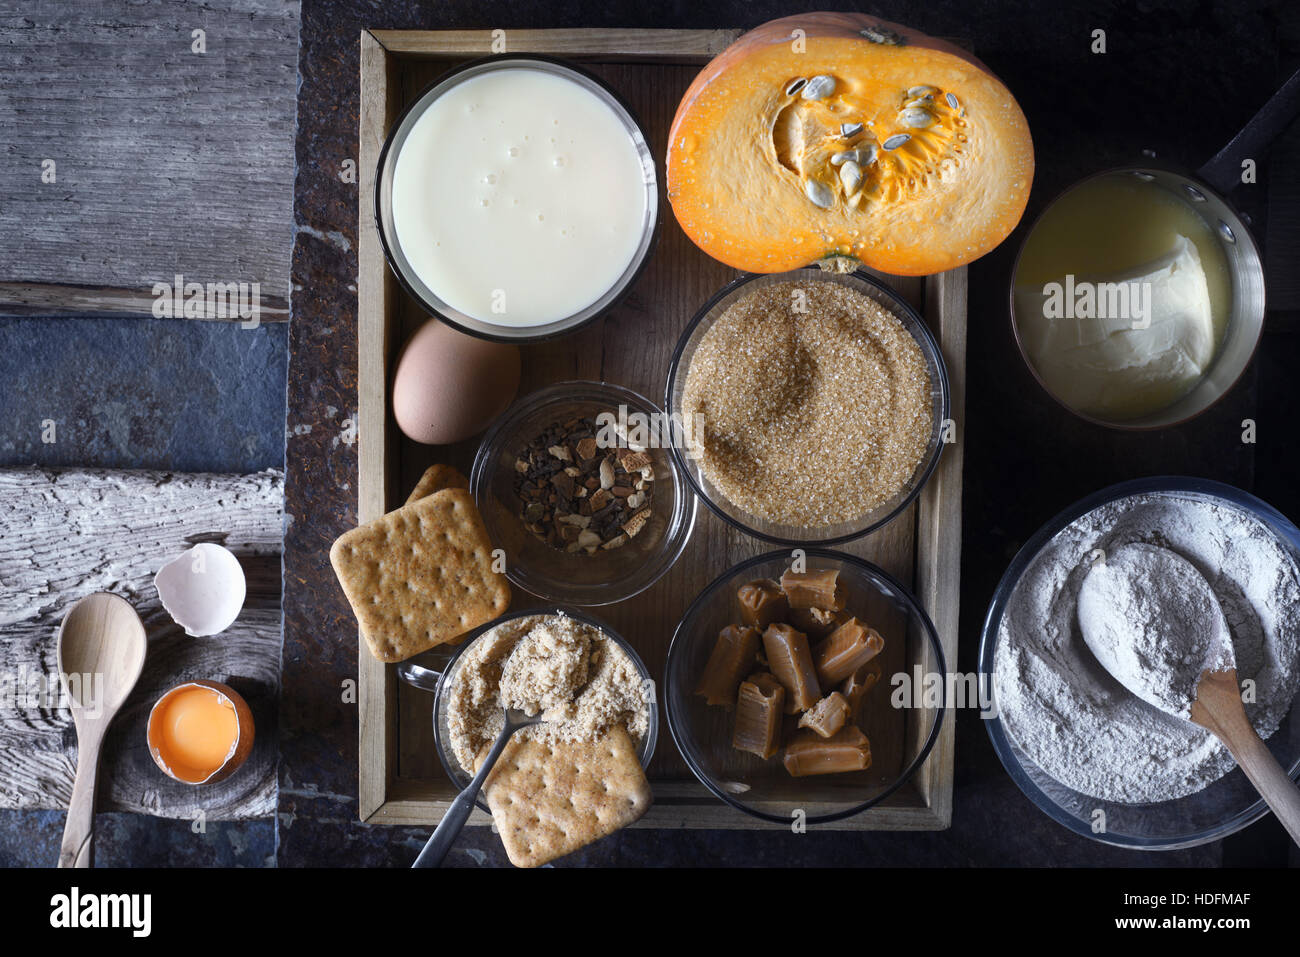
(516, 198)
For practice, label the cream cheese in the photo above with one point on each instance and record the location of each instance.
(1121, 344)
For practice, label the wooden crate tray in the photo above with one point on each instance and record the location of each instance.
(401, 780)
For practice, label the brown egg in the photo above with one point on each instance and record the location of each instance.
(449, 386)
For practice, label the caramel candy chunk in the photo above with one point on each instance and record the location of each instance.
(857, 685)
(762, 602)
(849, 647)
(809, 754)
(791, 660)
(820, 589)
(759, 705)
(733, 657)
(827, 716)
(816, 622)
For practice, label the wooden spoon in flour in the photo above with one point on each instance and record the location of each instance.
(1151, 620)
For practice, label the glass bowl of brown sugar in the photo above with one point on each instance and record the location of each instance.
(813, 405)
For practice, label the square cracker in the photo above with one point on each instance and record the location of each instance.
(549, 799)
(435, 479)
(420, 576)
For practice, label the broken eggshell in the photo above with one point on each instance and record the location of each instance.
(202, 589)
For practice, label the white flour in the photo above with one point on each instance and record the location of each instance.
(1077, 722)
(1151, 619)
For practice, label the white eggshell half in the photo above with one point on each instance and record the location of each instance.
(202, 589)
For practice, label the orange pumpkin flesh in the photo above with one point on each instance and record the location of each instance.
(755, 175)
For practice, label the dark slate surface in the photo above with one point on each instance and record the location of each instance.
(141, 393)
(1179, 79)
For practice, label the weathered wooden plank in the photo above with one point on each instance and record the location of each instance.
(48, 299)
(165, 160)
(69, 533)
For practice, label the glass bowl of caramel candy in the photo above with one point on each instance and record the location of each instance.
(796, 687)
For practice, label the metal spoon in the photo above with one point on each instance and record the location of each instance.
(449, 827)
(101, 641)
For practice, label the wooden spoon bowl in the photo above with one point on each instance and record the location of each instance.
(101, 652)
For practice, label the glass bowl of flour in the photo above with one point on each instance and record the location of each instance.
(1088, 752)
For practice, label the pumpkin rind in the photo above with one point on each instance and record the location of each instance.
(751, 167)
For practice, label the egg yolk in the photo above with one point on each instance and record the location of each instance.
(196, 730)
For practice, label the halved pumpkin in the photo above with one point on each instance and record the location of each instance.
(838, 134)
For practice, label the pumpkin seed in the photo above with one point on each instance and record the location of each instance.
(951, 98)
(819, 193)
(850, 129)
(819, 87)
(851, 177)
(922, 90)
(795, 85)
(864, 154)
(897, 140)
(920, 101)
(916, 118)
(882, 34)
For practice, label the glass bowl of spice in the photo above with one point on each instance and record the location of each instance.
(1087, 751)
(576, 484)
(812, 405)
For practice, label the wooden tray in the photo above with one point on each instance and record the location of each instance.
(401, 781)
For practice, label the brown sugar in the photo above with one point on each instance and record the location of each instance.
(816, 403)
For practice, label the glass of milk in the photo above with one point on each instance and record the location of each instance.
(516, 198)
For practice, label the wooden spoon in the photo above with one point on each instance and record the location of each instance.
(1218, 709)
(101, 652)
(1136, 607)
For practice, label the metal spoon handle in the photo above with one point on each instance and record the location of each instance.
(458, 813)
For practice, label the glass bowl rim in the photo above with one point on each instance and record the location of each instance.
(1276, 522)
(679, 642)
(486, 63)
(538, 399)
(649, 743)
(926, 341)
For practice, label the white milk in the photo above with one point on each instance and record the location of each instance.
(519, 197)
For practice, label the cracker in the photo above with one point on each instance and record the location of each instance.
(435, 479)
(549, 799)
(420, 576)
